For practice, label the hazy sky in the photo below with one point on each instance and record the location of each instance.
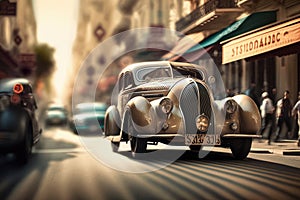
(56, 25)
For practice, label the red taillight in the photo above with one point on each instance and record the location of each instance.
(18, 88)
(15, 99)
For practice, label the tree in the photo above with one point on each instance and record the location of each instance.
(45, 65)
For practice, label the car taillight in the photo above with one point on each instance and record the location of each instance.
(18, 88)
(15, 99)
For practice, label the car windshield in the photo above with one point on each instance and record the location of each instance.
(153, 73)
(188, 72)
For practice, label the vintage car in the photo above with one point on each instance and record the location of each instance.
(19, 128)
(56, 114)
(174, 103)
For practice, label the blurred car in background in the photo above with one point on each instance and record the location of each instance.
(56, 114)
(19, 128)
(88, 117)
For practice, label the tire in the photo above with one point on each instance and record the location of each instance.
(115, 146)
(240, 148)
(25, 149)
(195, 148)
(138, 145)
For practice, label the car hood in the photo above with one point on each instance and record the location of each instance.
(159, 85)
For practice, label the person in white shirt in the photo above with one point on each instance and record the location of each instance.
(267, 111)
(296, 112)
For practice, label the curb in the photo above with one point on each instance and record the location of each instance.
(258, 150)
(291, 152)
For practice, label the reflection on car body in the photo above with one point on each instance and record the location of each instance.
(178, 107)
(19, 129)
(88, 117)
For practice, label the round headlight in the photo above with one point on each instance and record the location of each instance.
(202, 123)
(166, 105)
(234, 126)
(230, 106)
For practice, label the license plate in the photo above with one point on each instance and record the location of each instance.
(202, 139)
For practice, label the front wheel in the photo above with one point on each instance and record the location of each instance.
(195, 148)
(240, 148)
(138, 145)
(115, 146)
(25, 149)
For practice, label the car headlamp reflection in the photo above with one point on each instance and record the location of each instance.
(202, 123)
(230, 106)
(166, 105)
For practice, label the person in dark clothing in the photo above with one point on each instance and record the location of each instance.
(272, 95)
(252, 92)
(283, 114)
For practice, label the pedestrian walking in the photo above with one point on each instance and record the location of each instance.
(296, 113)
(273, 97)
(267, 111)
(283, 113)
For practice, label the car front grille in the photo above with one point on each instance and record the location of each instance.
(189, 107)
(205, 107)
(189, 104)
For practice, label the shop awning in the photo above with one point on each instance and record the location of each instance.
(191, 57)
(183, 45)
(241, 26)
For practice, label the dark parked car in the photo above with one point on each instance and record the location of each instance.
(88, 117)
(56, 114)
(19, 129)
(173, 103)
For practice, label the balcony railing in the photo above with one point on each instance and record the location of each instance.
(204, 10)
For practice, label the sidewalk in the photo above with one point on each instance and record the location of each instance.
(283, 147)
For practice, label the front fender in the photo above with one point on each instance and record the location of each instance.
(250, 119)
(112, 122)
(140, 111)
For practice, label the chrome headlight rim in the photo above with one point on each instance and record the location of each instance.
(202, 123)
(166, 105)
(231, 106)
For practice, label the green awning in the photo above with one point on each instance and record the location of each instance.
(251, 22)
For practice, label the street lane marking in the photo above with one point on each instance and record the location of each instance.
(67, 150)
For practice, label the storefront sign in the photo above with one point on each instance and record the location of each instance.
(7, 8)
(262, 41)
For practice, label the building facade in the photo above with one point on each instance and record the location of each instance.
(221, 27)
(17, 38)
(100, 21)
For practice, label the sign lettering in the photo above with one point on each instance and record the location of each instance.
(261, 42)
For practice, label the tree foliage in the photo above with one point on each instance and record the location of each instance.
(45, 63)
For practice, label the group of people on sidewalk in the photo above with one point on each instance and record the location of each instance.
(275, 116)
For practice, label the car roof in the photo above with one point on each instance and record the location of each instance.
(7, 84)
(174, 65)
(139, 65)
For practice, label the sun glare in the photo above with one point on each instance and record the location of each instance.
(56, 26)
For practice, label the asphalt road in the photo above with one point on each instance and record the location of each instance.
(64, 166)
